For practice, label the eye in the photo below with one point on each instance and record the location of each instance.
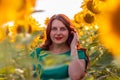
(53, 28)
(63, 29)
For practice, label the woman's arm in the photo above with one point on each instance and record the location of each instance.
(76, 68)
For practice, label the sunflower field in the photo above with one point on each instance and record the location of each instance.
(98, 26)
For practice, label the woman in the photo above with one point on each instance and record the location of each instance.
(61, 38)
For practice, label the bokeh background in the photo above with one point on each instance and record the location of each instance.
(22, 29)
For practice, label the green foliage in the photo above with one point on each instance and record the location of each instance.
(101, 66)
(54, 61)
(15, 62)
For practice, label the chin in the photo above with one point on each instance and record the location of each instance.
(59, 42)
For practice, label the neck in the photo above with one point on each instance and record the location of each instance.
(58, 49)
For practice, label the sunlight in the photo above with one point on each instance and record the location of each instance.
(50, 7)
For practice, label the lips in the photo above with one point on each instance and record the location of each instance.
(58, 38)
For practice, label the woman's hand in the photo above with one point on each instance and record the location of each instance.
(76, 65)
(74, 40)
(73, 45)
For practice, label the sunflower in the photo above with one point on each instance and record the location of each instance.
(109, 23)
(84, 18)
(27, 25)
(15, 9)
(87, 17)
(94, 6)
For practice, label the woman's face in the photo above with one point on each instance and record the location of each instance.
(59, 32)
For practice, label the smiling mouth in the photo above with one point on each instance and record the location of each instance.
(58, 38)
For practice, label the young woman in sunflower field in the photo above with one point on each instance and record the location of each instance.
(62, 39)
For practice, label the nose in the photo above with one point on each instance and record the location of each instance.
(58, 32)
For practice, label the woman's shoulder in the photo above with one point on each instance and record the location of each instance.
(35, 51)
(82, 50)
(38, 49)
(82, 54)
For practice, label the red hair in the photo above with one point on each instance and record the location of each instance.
(67, 22)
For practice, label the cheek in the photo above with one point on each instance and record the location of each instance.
(51, 35)
(66, 34)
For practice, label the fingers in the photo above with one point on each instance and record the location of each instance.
(75, 35)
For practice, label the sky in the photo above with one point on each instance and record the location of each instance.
(51, 7)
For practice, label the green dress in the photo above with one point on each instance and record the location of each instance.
(58, 72)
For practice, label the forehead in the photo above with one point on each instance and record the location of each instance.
(57, 22)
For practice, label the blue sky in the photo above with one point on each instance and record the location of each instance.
(50, 7)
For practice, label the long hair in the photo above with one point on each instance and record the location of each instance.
(67, 22)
